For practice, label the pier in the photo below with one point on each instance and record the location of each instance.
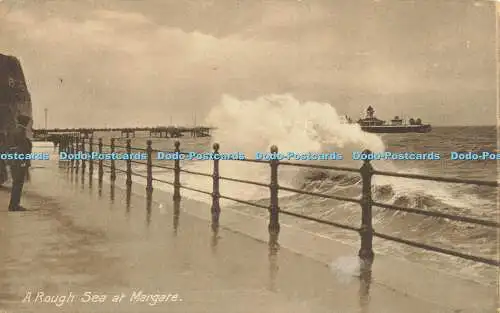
(121, 236)
(125, 132)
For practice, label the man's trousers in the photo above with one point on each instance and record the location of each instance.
(18, 171)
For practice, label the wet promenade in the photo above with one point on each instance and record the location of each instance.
(133, 257)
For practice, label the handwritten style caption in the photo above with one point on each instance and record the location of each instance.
(137, 296)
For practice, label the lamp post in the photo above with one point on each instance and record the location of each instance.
(46, 133)
(46, 112)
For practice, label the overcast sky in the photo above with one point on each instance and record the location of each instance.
(139, 62)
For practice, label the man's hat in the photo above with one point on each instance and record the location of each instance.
(23, 120)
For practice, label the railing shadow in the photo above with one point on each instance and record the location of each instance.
(71, 172)
(90, 181)
(149, 201)
(214, 242)
(273, 260)
(176, 216)
(99, 189)
(82, 181)
(65, 166)
(128, 195)
(112, 192)
(365, 279)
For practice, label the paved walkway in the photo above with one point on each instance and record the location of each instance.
(77, 243)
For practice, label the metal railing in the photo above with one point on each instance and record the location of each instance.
(366, 200)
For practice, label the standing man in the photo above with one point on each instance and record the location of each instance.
(19, 168)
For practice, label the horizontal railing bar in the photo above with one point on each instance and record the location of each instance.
(244, 202)
(251, 160)
(324, 167)
(164, 167)
(138, 162)
(439, 179)
(196, 173)
(124, 171)
(439, 250)
(243, 181)
(140, 175)
(320, 195)
(120, 170)
(437, 214)
(133, 173)
(164, 181)
(196, 190)
(314, 219)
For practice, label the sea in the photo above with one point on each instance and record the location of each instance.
(294, 126)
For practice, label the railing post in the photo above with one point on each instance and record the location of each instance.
(177, 173)
(366, 230)
(215, 192)
(129, 164)
(112, 167)
(274, 223)
(101, 166)
(149, 179)
(91, 161)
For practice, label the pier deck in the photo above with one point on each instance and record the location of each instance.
(73, 239)
(155, 131)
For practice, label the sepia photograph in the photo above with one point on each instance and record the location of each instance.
(243, 156)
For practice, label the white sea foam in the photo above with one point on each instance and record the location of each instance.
(252, 126)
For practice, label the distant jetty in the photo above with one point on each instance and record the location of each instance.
(156, 131)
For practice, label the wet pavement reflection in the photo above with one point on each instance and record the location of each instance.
(99, 190)
(365, 278)
(215, 237)
(149, 201)
(273, 260)
(112, 192)
(127, 198)
(176, 215)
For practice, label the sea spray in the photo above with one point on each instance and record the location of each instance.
(251, 126)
